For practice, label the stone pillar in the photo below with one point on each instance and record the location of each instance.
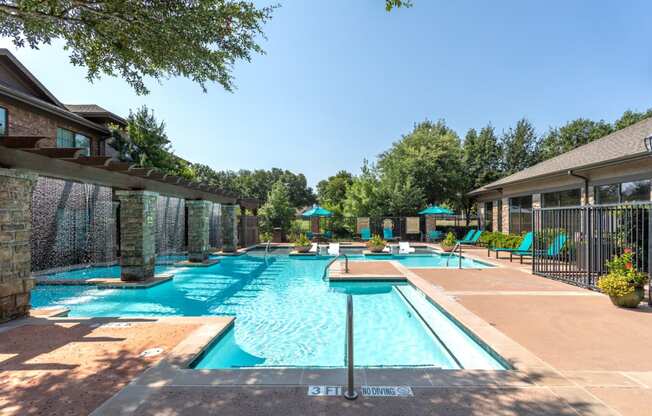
(137, 234)
(480, 207)
(198, 230)
(229, 228)
(494, 216)
(431, 224)
(505, 215)
(314, 224)
(536, 201)
(16, 282)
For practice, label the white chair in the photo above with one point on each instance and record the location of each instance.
(313, 248)
(404, 248)
(334, 249)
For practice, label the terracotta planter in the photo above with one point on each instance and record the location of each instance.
(630, 300)
(447, 249)
(376, 248)
(302, 249)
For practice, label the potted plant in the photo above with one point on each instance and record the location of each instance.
(302, 244)
(376, 244)
(449, 242)
(624, 284)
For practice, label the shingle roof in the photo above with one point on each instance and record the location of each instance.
(90, 110)
(621, 144)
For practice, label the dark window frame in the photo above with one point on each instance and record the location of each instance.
(619, 191)
(6, 122)
(559, 196)
(74, 139)
(518, 211)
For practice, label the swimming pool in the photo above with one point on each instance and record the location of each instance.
(287, 316)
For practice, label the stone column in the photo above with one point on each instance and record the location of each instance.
(229, 228)
(137, 234)
(480, 207)
(16, 282)
(431, 223)
(494, 216)
(198, 230)
(536, 201)
(505, 215)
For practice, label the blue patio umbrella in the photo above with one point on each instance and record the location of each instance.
(316, 211)
(435, 210)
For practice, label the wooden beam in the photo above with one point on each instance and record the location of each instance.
(97, 161)
(57, 152)
(24, 142)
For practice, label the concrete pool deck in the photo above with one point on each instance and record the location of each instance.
(573, 353)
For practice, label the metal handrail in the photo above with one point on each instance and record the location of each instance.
(457, 246)
(346, 265)
(349, 393)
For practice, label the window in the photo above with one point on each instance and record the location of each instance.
(520, 214)
(623, 192)
(569, 198)
(499, 205)
(83, 142)
(607, 194)
(4, 121)
(65, 138)
(635, 191)
(488, 215)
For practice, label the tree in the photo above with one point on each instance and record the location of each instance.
(363, 196)
(630, 117)
(519, 147)
(145, 142)
(403, 198)
(391, 4)
(277, 212)
(571, 135)
(482, 164)
(331, 192)
(197, 39)
(430, 156)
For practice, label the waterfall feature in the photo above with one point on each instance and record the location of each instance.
(215, 226)
(72, 224)
(170, 225)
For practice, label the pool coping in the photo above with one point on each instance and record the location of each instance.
(109, 282)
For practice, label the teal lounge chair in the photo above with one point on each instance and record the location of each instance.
(309, 235)
(468, 235)
(328, 235)
(553, 249)
(471, 241)
(524, 247)
(388, 234)
(365, 234)
(435, 235)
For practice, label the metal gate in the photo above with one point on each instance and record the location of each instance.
(573, 244)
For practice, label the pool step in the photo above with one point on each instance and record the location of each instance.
(466, 351)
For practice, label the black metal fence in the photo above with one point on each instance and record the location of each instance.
(574, 244)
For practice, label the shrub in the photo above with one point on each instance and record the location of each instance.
(376, 240)
(500, 240)
(449, 241)
(623, 278)
(265, 236)
(301, 241)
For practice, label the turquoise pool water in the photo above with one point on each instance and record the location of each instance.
(286, 315)
(430, 260)
(95, 273)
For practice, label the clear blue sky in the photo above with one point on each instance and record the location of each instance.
(342, 80)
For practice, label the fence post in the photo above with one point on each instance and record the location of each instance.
(649, 255)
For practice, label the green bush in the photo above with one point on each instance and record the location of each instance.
(623, 278)
(301, 241)
(500, 240)
(449, 241)
(376, 240)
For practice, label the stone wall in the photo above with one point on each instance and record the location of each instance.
(229, 228)
(15, 232)
(137, 234)
(505, 215)
(198, 229)
(25, 120)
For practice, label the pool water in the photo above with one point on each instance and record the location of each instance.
(286, 315)
(430, 260)
(95, 273)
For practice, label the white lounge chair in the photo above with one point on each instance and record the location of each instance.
(404, 248)
(313, 248)
(334, 249)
